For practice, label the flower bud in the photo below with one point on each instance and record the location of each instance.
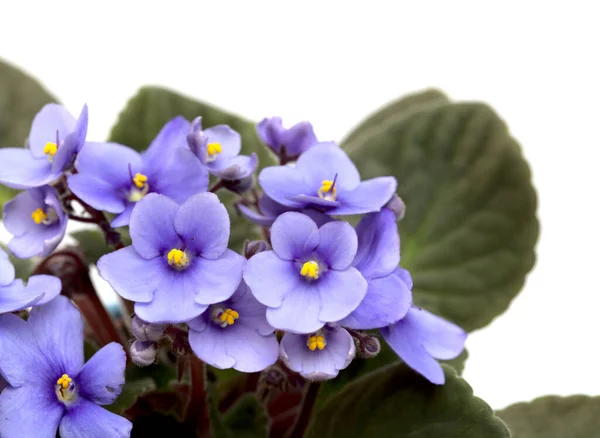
(396, 204)
(369, 346)
(239, 186)
(253, 247)
(144, 331)
(143, 353)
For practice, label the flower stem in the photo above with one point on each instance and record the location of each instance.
(196, 412)
(88, 220)
(77, 285)
(308, 403)
(218, 185)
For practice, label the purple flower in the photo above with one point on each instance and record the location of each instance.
(388, 297)
(235, 334)
(288, 143)
(15, 295)
(50, 386)
(113, 177)
(268, 211)
(326, 179)
(36, 220)
(421, 337)
(218, 149)
(320, 355)
(179, 263)
(54, 141)
(307, 280)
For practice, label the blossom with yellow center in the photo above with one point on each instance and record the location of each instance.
(39, 216)
(228, 317)
(50, 150)
(178, 259)
(310, 270)
(316, 341)
(328, 191)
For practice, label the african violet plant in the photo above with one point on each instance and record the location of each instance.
(262, 286)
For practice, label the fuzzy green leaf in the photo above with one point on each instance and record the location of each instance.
(470, 228)
(397, 402)
(577, 416)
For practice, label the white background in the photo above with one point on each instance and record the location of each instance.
(333, 63)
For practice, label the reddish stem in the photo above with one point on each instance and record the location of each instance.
(218, 185)
(197, 407)
(308, 403)
(88, 220)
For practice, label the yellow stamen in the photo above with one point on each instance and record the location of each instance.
(178, 259)
(310, 269)
(214, 149)
(228, 317)
(39, 216)
(315, 342)
(328, 190)
(50, 150)
(64, 381)
(140, 180)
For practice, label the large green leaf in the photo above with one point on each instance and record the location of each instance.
(360, 367)
(577, 416)
(23, 267)
(130, 393)
(246, 419)
(21, 97)
(152, 107)
(397, 402)
(93, 243)
(470, 228)
(399, 109)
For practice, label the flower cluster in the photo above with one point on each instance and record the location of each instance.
(304, 296)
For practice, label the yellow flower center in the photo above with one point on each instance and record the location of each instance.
(64, 381)
(214, 149)
(228, 317)
(310, 270)
(65, 389)
(140, 181)
(316, 341)
(178, 259)
(50, 150)
(328, 191)
(39, 216)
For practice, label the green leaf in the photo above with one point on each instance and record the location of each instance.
(93, 243)
(130, 393)
(396, 401)
(161, 374)
(399, 109)
(247, 418)
(23, 267)
(21, 97)
(577, 416)
(360, 367)
(470, 228)
(152, 107)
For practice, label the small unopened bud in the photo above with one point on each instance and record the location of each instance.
(144, 331)
(396, 204)
(253, 247)
(239, 186)
(143, 353)
(369, 347)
